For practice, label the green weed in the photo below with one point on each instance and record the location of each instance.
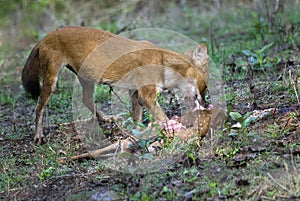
(103, 93)
(140, 196)
(258, 58)
(241, 124)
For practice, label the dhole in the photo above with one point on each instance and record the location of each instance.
(97, 56)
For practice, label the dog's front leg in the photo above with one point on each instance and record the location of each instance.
(47, 89)
(148, 95)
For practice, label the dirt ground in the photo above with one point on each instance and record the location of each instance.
(86, 180)
(243, 160)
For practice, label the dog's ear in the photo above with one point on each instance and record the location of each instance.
(200, 60)
(200, 53)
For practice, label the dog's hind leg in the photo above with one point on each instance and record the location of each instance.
(48, 87)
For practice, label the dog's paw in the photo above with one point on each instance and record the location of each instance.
(39, 139)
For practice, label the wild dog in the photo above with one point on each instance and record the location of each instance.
(100, 57)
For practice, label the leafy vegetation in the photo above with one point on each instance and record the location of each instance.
(241, 124)
(259, 54)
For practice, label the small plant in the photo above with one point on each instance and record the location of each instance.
(46, 173)
(145, 139)
(241, 124)
(276, 131)
(273, 130)
(168, 193)
(228, 151)
(261, 26)
(258, 59)
(141, 196)
(231, 152)
(103, 93)
(191, 175)
(214, 191)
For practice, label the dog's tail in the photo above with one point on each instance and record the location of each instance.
(31, 75)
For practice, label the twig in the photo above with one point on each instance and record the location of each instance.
(121, 101)
(8, 179)
(277, 183)
(294, 86)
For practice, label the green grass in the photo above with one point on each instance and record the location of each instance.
(226, 167)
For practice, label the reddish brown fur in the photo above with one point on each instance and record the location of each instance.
(98, 56)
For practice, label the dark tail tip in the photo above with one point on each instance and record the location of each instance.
(31, 82)
(34, 88)
(30, 74)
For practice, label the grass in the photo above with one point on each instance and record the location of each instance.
(228, 167)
